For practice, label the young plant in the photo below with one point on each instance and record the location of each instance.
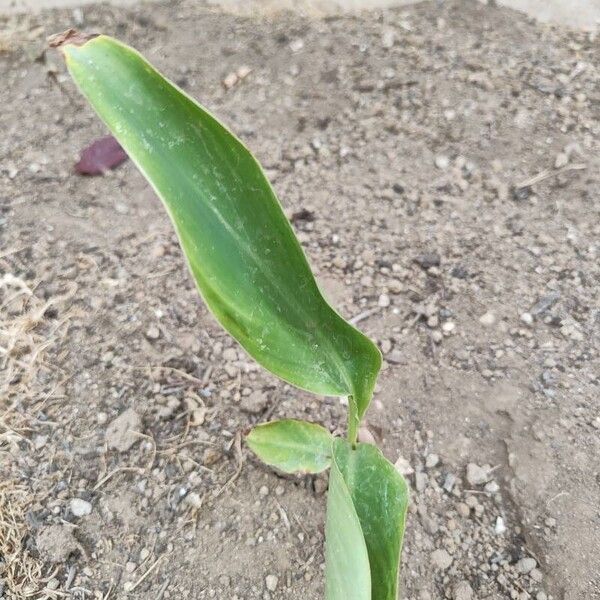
(254, 277)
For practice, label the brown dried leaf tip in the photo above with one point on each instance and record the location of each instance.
(70, 36)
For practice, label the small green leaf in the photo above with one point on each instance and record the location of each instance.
(241, 250)
(380, 498)
(292, 446)
(347, 574)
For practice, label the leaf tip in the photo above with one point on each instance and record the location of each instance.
(70, 36)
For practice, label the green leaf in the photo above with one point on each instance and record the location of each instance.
(292, 446)
(241, 250)
(380, 498)
(347, 574)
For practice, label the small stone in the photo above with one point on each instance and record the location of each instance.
(230, 80)
(462, 591)
(296, 45)
(441, 559)
(365, 436)
(130, 567)
(53, 584)
(541, 596)
(255, 403)
(491, 487)
(499, 527)
(320, 485)
(388, 37)
(128, 586)
(403, 466)
(442, 162)
(194, 500)
(463, 509)
(526, 565)
(263, 491)
(79, 507)
(121, 433)
(527, 318)
(384, 301)
(437, 336)
(432, 460)
(487, 319)
(562, 160)
(210, 456)
(448, 327)
(243, 72)
(536, 575)
(428, 260)
(230, 354)
(420, 481)
(153, 333)
(395, 357)
(449, 482)
(477, 475)
(271, 582)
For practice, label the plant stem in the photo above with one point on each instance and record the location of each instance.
(352, 421)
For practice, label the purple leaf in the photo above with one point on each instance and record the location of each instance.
(100, 156)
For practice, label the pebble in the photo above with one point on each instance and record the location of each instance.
(296, 45)
(432, 460)
(121, 433)
(365, 436)
(499, 527)
(448, 327)
(527, 318)
(153, 333)
(230, 80)
(462, 591)
(442, 162)
(271, 582)
(80, 508)
(420, 481)
(403, 466)
(491, 487)
(441, 559)
(477, 475)
(230, 354)
(384, 301)
(53, 584)
(388, 38)
(526, 565)
(487, 319)
(255, 403)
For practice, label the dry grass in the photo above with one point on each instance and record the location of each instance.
(21, 573)
(25, 337)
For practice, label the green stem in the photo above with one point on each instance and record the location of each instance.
(353, 421)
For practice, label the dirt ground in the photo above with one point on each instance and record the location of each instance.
(441, 168)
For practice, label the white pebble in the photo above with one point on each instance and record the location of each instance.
(80, 508)
(271, 582)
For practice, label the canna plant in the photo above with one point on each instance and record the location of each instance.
(254, 277)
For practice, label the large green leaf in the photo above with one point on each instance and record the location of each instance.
(292, 446)
(241, 250)
(380, 497)
(347, 574)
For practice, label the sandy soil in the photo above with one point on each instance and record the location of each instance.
(440, 166)
(575, 13)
